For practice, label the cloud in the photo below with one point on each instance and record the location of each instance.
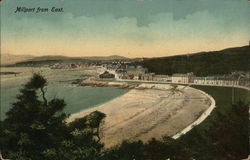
(123, 30)
(133, 9)
(163, 28)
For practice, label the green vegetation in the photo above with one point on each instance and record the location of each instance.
(202, 64)
(35, 129)
(222, 136)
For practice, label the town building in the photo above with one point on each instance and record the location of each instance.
(106, 74)
(162, 78)
(220, 81)
(146, 77)
(126, 76)
(183, 78)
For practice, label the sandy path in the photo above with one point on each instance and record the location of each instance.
(151, 110)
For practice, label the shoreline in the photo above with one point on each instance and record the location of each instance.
(200, 119)
(149, 110)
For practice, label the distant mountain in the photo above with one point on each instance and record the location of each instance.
(65, 58)
(112, 57)
(7, 59)
(45, 60)
(50, 58)
(203, 63)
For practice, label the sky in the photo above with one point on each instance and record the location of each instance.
(131, 28)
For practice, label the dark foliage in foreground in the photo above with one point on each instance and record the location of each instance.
(37, 130)
(226, 139)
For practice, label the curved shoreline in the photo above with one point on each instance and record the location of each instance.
(200, 119)
(151, 110)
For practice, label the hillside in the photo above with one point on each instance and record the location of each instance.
(106, 58)
(49, 58)
(7, 59)
(45, 60)
(203, 63)
(65, 58)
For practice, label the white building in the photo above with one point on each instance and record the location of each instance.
(146, 77)
(220, 81)
(163, 78)
(183, 78)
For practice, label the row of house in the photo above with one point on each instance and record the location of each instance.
(140, 73)
(211, 80)
(183, 78)
(216, 81)
(69, 66)
(189, 78)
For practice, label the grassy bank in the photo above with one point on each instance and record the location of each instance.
(222, 136)
(220, 124)
(223, 98)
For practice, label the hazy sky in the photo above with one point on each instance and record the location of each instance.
(132, 28)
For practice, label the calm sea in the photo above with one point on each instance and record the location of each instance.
(59, 86)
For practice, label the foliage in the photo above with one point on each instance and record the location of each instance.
(202, 64)
(202, 139)
(225, 139)
(126, 151)
(36, 129)
(230, 133)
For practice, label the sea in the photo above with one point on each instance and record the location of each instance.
(60, 85)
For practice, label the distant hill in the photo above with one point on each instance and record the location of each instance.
(7, 59)
(48, 58)
(113, 57)
(65, 58)
(203, 63)
(45, 60)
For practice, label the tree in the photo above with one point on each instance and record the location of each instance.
(36, 129)
(167, 148)
(38, 82)
(230, 133)
(94, 121)
(126, 151)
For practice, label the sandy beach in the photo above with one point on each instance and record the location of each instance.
(149, 110)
